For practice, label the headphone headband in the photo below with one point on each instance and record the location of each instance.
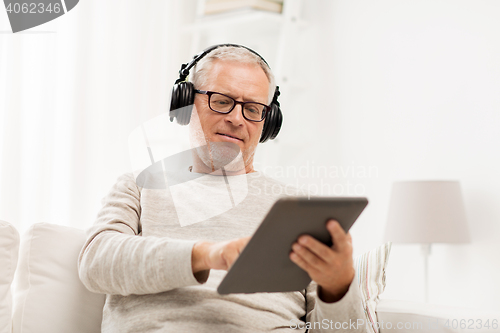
(185, 68)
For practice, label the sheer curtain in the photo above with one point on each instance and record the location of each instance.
(71, 91)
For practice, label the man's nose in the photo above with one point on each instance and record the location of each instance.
(236, 115)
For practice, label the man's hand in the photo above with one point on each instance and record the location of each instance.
(331, 268)
(221, 255)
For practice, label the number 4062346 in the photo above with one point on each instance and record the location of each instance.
(33, 8)
(471, 324)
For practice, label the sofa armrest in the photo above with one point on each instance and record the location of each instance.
(405, 316)
(9, 249)
(49, 296)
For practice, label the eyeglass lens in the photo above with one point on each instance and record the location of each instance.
(221, 103)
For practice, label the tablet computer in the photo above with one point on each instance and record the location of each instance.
(264, 264)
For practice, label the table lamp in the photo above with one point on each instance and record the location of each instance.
(426, 212)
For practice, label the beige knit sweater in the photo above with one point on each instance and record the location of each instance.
(139, 254)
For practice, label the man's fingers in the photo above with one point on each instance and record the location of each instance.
(330, 267)
(349, 238)
(299, 261)
(316, 247)
(339, 237)
(308, 260)
(229, 255)
(242, 242)
(233, 249)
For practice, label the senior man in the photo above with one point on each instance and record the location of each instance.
(162, 276)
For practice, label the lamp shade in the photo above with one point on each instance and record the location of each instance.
(426, 212)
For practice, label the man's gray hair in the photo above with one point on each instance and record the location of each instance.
(199, 73)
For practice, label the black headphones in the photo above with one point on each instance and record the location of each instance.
(183, 92)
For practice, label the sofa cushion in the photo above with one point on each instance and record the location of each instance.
(49, 296)
(9, 247)
(370, 272)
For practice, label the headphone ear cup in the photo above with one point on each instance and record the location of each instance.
(277, 121)
(272, 124)
(265, 130)
(174, 101)
(181, 103)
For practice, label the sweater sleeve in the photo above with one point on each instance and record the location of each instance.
(345, 315)
(116, 259)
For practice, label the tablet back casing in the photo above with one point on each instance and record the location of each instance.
(264, 264)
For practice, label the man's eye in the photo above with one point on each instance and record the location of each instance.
(222, 102)
(252, 109)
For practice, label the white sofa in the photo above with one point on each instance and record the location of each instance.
(48, 296)
(9, 246)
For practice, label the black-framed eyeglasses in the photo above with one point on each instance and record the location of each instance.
(252, 111)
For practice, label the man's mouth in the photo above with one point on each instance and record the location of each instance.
(230, 136)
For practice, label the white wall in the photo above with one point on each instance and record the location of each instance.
(71, 92)
(402, 90)
(414, 90)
